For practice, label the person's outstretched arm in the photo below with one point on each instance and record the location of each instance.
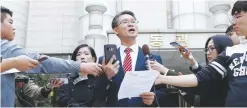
(52, 64)
(21, 63)
(216, 70)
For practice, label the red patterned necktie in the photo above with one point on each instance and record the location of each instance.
(127, 65)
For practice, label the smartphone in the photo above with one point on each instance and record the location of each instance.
(42, 59)
(109, 51)
(177, 45)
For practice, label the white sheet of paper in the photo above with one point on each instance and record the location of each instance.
(136, 82)
(13, 70)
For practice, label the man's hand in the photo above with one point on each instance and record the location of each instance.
(55, 83)
(147, 97)
(110, 69)
(158, 67)
(24, 63)
(91, 68)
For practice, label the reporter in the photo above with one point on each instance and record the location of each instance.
(220, 68)
(82, 89)
(28, 93)
(212, 93)
(233, 35)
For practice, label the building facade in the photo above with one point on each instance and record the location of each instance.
(56, 27)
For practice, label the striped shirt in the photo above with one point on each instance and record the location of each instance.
(232, 63)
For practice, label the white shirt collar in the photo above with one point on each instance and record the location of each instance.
(242, 40)
(133, 54)
(134, 48)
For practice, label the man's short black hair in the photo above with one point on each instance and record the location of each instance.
(5, 11)
(239, 6)
(229, 29)
(115, 19)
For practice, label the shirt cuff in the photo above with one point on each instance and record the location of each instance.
(195, 66)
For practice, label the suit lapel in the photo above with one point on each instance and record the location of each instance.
(140, 61)
(120, 75)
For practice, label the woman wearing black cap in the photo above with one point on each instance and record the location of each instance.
(212, 93)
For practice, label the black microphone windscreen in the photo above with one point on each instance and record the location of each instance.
(145, 49)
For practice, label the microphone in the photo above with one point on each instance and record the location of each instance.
(146, 51)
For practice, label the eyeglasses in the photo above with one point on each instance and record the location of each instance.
(209, 50)
(125, 22)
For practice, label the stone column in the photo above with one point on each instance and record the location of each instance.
(96, 36)
(220, 12)
(189, 14)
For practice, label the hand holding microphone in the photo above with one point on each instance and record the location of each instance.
(153, 64)
(158, 67)
(146, 51)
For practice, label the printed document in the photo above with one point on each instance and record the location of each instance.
(137, 82)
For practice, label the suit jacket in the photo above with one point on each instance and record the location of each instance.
(112, 92)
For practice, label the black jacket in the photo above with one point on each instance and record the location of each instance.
(85, 93)
(212, 93)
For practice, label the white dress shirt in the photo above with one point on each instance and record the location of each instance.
(133, 54)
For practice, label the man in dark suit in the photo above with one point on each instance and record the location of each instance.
(131, 58)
